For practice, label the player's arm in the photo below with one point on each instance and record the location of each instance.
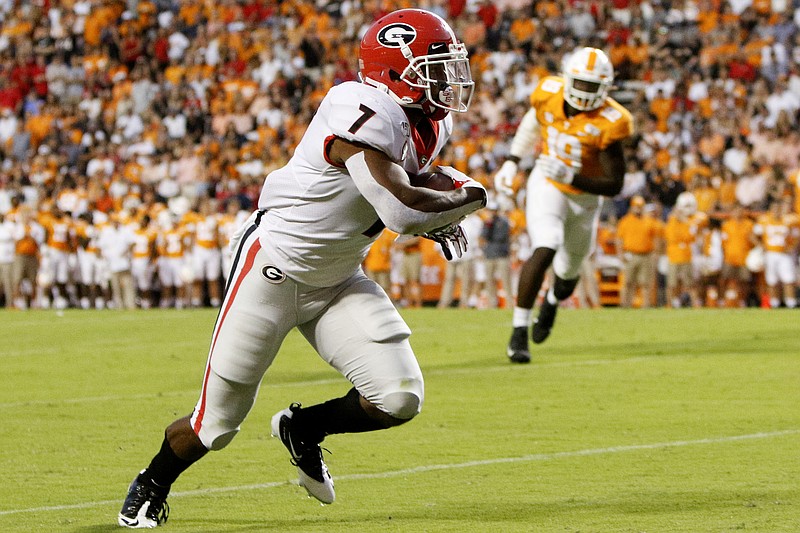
(402, 207)
(609, 183)
(525, 139)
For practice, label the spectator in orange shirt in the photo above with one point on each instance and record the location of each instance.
(29, 236)
(736, 244)
(679, 237)
(638, 237)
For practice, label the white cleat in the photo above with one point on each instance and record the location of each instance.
(311, 468)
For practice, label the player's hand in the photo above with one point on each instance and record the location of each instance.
(449, 236)
(555, 169)
(504, 179)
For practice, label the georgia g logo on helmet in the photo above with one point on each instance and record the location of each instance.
(397, 34)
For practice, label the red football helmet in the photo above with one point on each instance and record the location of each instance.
(417, 58)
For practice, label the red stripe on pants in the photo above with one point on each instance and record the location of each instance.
(248, 264)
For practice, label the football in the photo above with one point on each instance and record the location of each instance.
(432, 180)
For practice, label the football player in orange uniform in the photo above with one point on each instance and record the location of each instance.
(143, 260)
(581, 130)
(172, 244)
(206, 255)
(56, 263)
(93, 274)
(778, 232)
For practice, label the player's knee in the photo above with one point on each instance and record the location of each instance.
(403, 405)
(221, 440)
(563, 288)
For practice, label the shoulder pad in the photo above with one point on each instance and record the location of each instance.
(364, 114)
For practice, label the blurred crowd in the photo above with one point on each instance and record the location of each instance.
(135, 135)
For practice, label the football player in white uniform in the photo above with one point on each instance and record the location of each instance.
(298, 260)
(582, 130)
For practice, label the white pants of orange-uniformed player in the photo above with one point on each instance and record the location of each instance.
(779, 268)
(566, 223)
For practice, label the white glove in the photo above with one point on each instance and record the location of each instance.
(451, 235)
(504, 179)
(555, 169)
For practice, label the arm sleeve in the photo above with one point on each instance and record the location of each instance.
(395, 214)
(526, 136)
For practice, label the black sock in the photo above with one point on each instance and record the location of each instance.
(165, 467)
(341, 415)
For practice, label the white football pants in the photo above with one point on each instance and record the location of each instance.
(353, 326)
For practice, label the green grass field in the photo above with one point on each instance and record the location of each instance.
(629, 421)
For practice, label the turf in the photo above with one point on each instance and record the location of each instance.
(629, 421)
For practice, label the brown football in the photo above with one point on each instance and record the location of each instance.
(432, 180)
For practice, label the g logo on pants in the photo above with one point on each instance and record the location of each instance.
(273, 274)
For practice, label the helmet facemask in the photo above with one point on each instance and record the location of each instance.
(583, 94)
(588, 76)
(445, 78)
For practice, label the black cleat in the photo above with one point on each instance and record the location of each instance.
(544, 323)
(145, 506)
(311, 468)
(517, 350)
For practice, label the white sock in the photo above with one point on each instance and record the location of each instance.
(774, 303)
(791, 303)
(522, 317)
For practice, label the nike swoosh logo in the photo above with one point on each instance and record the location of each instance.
(291, 444)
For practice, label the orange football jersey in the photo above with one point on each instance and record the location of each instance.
(59, 233)
(736, 240)
(577, 139)
(679, 236)
(143, 243)
(777, 233)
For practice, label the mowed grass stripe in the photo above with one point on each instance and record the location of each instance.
(430, 468)
(333, 381)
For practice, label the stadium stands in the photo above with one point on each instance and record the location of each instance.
(139, 112)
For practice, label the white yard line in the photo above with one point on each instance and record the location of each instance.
(430, 468)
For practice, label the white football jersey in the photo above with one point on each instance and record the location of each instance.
(318, 227)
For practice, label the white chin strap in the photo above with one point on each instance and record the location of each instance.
(383, 87)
